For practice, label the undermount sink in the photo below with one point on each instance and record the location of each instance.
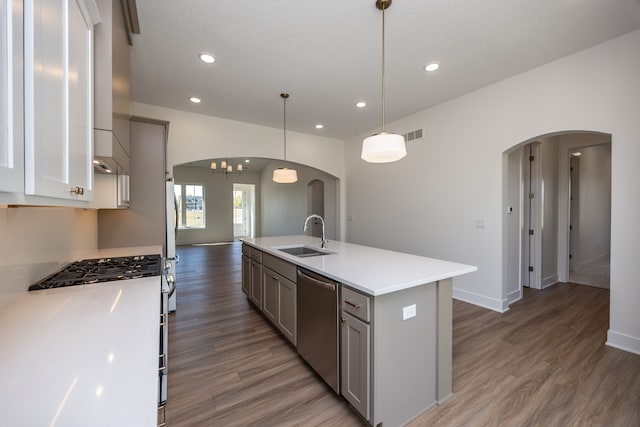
(302, 251)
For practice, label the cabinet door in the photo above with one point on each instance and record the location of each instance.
(58, 100)
(246, 275)
(355, 363)
(11, 96)
(80, 88)
(286, 319)
(256, 283)
(270, 283)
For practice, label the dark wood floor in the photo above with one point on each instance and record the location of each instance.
(543, 363)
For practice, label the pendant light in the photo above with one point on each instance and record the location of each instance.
(284, 175)
(383, 147)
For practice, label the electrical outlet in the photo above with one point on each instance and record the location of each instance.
(408, 312)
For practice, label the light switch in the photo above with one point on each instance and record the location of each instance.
(408, 312)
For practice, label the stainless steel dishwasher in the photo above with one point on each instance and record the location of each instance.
(317, 325)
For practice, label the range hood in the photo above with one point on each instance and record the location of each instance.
(112, 69)
(108, 153)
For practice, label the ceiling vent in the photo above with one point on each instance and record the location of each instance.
(410, 136)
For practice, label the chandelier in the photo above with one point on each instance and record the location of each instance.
(226, 168)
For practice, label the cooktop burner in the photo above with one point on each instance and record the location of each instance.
(102, 270)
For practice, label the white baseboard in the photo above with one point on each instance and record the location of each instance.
(550, 280)
(623, 342)
(514, 296)
(481, 300)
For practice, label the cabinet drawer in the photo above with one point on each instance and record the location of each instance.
(279, 266)
(356, 303)
(256, 255)
(246, 250)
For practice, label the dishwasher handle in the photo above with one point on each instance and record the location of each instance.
(316, 282)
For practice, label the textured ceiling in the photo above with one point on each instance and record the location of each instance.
(327, 54)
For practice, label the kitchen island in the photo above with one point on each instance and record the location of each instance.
(395, 319)
(82, 355)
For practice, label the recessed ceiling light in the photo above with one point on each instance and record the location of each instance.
(195, 100)
(576, 154)
(361, 104)
(319, 126)
(96, 162)
(207, 57)
(247, 161)
(432, 67)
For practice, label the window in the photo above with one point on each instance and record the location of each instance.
(190, 205)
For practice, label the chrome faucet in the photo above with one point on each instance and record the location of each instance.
(306, 221)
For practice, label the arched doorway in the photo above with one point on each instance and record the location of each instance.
(537, 207)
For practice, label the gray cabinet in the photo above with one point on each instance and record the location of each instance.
(270, 294)
(256, 283)
(246, 274)
(252, 274)
(255, 292)
(269, 283)
(286, 319)
(355, 353)
(279, 294)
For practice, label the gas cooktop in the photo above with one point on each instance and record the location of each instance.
(98, 270)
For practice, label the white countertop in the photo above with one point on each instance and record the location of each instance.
(370, 270)
(82, 355)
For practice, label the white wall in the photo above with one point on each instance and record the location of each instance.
(428, 203)
(37, 241)
(284, 206)
(594, 234)
(218, 208)
(196, 137)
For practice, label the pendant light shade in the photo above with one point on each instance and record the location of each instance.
(383, 147)
(284, 175)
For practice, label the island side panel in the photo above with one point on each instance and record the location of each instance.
(404, 355)
(445, 338)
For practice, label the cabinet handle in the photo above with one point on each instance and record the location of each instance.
(274, 277)
(77, 190)
(342, 319)
(352, 304)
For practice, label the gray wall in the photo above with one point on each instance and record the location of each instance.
(594, 232)
(218, 196)
(144, 222)
(284, 206)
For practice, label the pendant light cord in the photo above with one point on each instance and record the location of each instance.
(383, 8)
(284, 127)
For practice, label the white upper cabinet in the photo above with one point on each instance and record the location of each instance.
(11, 106)
(58, 58)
